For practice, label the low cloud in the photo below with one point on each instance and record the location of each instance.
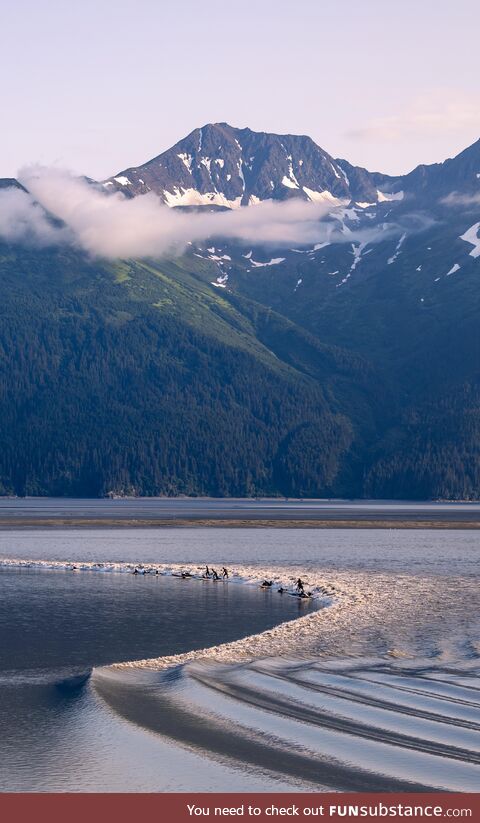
(22, 220)
(60, 208)
(115, 226)
(456, 198)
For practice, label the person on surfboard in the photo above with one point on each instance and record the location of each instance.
(224, 573)
(300, 587)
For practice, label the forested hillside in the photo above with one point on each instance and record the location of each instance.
(347, 367)
(127, 379)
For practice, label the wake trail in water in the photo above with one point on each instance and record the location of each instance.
(286, 717)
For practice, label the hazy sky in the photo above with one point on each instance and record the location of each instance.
(100, 85)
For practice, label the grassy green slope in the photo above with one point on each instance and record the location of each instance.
(142, 377)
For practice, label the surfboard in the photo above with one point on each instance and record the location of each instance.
(300, 596)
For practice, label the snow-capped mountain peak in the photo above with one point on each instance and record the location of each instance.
(218, 165)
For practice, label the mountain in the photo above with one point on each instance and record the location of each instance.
(219, 165)
(349, 367)
(439, 180)
(137, 377)
(10, 183)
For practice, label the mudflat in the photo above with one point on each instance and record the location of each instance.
(241, 513)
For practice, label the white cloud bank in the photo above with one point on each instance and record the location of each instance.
(24, 220)
(115, 226)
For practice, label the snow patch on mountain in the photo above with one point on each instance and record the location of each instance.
(347, 181)
(387, 197)
(324, 197)
(290, 181)
(192, 197)
(240, 174)
(286, 181)
(471, 236)
(217, 258)
(124, 181)
(397, 250)
(273, 262)
(186, 160)
(220, 282)
(357, 251)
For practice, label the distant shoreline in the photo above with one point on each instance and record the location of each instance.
(240, 513)
(14, 524)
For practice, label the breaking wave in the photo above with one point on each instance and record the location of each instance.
(374, 687)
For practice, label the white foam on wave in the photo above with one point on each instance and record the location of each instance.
(398, 616)
(272, 641)
(284, 576)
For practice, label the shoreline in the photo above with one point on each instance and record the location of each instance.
(16, 523)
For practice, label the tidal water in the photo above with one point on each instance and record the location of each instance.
(374, 684)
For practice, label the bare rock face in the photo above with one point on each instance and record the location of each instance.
(222, 166)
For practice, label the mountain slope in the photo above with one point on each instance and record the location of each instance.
(223, 166)
(348, 368)
(139, 378)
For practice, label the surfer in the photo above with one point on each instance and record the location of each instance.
(224, 573)
(281, 590)
(207, 572)
(300, 587)
(215, 575)
(266, 584)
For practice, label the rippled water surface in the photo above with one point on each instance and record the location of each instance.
(374, 684)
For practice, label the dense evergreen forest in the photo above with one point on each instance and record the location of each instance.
(141, 378)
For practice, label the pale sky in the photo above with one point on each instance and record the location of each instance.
(100, 85)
